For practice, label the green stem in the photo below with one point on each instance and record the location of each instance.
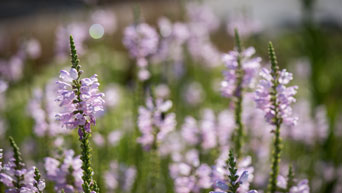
(275, 161)
(155, 170)
(89, 184)
(238, 138)
(86, 161)
(272, 186)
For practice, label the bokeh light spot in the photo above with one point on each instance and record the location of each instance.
(96, 31)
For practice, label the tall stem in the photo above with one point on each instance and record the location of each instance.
(239, 99)
(272, 186)
(88, 183)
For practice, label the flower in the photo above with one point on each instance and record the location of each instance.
(189, 174)
(210, 131)
(154, 122)
(1, 155)
(119, 176)
(244, 170)
(106, 18)
(19, 179)
(79, 108)
(284, 96)
(301, 187)
(142, 41)
(43, 108)
(249, 65)
(65, 171)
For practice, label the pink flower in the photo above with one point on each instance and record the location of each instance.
(284, 96)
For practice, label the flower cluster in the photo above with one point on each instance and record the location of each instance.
(119, 176)
(79, 106)
(283, 99)
(302, 186)
(142, 41)
(250, 66)
(16, 177)
(210, 131)
(154, 122)
(221, 171)
(189, 174)
(43, 108)
(65, 172)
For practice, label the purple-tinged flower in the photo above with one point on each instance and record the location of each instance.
(79, 109)
(189, 174)
(313, 127)
(250, 66)
(10, 173)
(244, 170)
(194, 94)
(114, 137)
(210, 131)
(283, 99)
(79, 30)
(1, 155)
(173, 38)
(142, 41)
(201, 15)
(119, 176)
(246, 26)
(106, 18)
(43, 108)
(98, 139)
(112, 95)
(154, 122)
(65, 171)
(301, 187)
(33, 48)
(12, 69)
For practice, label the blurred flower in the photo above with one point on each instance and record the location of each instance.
(33, 48)
(154, 122)
(119, 176)
(162, 91)
(98, 139)
(210, 131)
(106, 18)
(310, 129)
(173, 38)
(79, 31)
(250, 67)
(189, 174)
(201, 15)
(114, 137)
(194, 93)
(12, 70)
(284, 96)
(301, 187)
(112, 95)
(245, 25)
(141, 40)
(65, 171)
(43, 108)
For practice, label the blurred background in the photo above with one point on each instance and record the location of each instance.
(307, 37)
